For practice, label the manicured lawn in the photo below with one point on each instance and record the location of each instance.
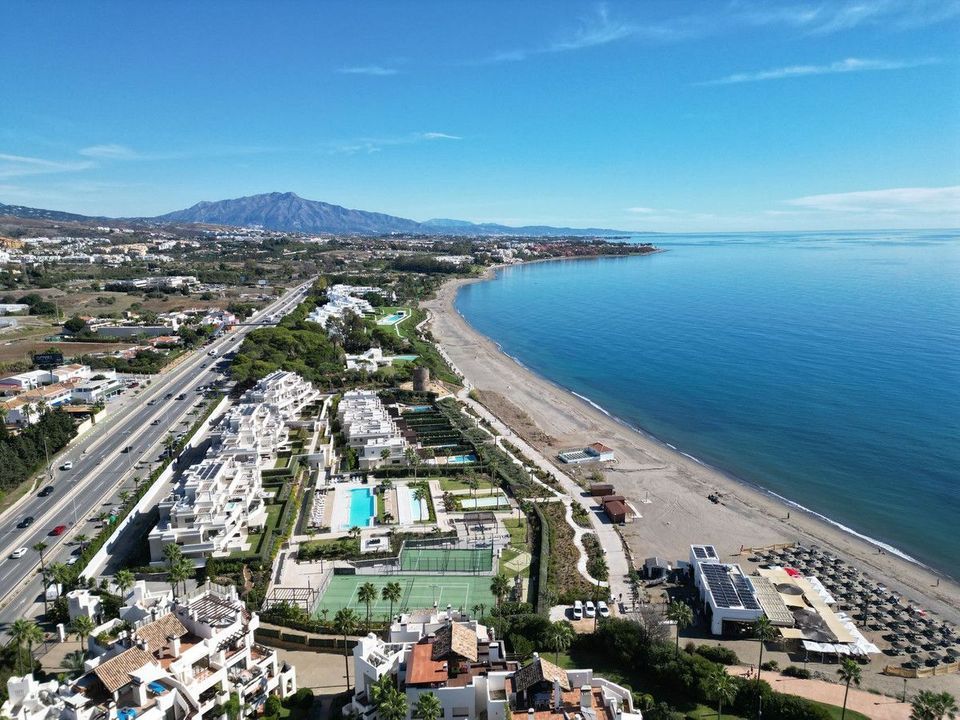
(517, 527)
(448, 484)
(836, 711)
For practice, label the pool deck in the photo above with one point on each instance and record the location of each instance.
(339, 514)
(404, 503)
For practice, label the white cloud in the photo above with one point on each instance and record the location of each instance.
(109, 152)
(439, 136)
(374, 145)
(375, 70)
(894, 200)
(848, 65)
(827, 18)
(21, 165)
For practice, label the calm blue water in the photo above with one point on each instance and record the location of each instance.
(362, 507)
(824, 367)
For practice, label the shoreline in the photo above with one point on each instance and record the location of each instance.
(748, 515)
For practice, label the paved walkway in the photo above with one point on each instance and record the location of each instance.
(606, 533)
(878, 707)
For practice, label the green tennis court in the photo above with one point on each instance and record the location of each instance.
(419, 592)
(442, 560)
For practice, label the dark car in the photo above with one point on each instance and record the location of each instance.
(26, 522)
(59, 530)
(48, 490)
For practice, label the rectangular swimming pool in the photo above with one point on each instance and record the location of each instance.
(363, 508)
(393, 318)
(461, 459)
(485, 502)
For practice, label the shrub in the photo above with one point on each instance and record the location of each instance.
(794, 671)
(719, 654)
(770, 665)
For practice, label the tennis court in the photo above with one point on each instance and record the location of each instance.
(444, 560)
(419, 592)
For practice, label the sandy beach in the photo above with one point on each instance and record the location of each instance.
(678, 512)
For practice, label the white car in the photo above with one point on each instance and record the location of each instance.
(589, 609)
(68, 465)
(603, 609)
(578, 610)
(18, 553)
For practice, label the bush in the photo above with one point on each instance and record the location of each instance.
(769, 665)
(796, 672)
(718, 654)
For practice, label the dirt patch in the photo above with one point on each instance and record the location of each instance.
(23, 350)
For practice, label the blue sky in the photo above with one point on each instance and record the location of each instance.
(675, 116)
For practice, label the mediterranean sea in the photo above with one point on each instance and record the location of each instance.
(823, 367)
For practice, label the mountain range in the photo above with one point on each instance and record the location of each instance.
(292, 213)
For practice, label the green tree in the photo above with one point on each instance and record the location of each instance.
(559, 638)
(682, 616)
(366, 594)
(345, 622)
(73, 663)
(413, 460)
(929, 705)
(472, 482)
(81, 626)
(393, 705)
(499, 587)
(393, 593)
(428, 707)
(124, 580)
(597, 567)
(419, 494)
(721, 688)
(25, 632)
(39, 548)
(762, 631)
(849, 672)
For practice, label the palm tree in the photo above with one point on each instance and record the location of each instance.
(413, 460)
(39, 548)
(180, 572)
(600, 572)
(428, 707)
(849, 672)
(499, 587)
(929, 705)
(419, 494)
(762, 631)
(81, 540)
(25, 632)
(81, 626)
(721, 688)
(124, 580)
(345, 622)
(172, 554)
(393, 593)
(473, 483)
(559, 638)
(366, 594)
(73, 663)
(682, 616)
(124, 496)
(393, 705)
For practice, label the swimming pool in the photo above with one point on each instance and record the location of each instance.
(418, 408)
(461, 459)
(392, 318)
(363, 508)
(418, 510)
(408, 358)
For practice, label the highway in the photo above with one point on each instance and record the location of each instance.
(100, 464)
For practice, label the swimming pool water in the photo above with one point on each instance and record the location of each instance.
(417, 511)
(393, 318)
(485, 502)
(362, 507)
(409, 358)
(461, 459)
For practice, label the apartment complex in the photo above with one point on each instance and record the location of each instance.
(342, 299)
(370, 430)
(465, 667)
(221, 498)
(180, 663)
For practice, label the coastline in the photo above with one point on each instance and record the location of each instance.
(677, 484)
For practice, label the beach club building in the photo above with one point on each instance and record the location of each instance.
(594, 452)
(726, 592)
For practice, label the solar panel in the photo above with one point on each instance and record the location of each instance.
(710, 551)
(745, 591)
(724, 593)
(699, 551)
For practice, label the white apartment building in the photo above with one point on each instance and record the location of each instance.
(178, 664)
(462, 664)
(221, 498)
(368, 428)
(342, 299)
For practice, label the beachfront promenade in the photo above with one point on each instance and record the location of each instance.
(606, 533)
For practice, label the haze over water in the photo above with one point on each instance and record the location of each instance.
(824, 367)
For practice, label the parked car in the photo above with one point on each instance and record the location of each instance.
(26, 522)
(589, 609)
(18, 553)
(578, 610)
(59, 530)
(603, 609)
(47, 491)
(68, 465)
